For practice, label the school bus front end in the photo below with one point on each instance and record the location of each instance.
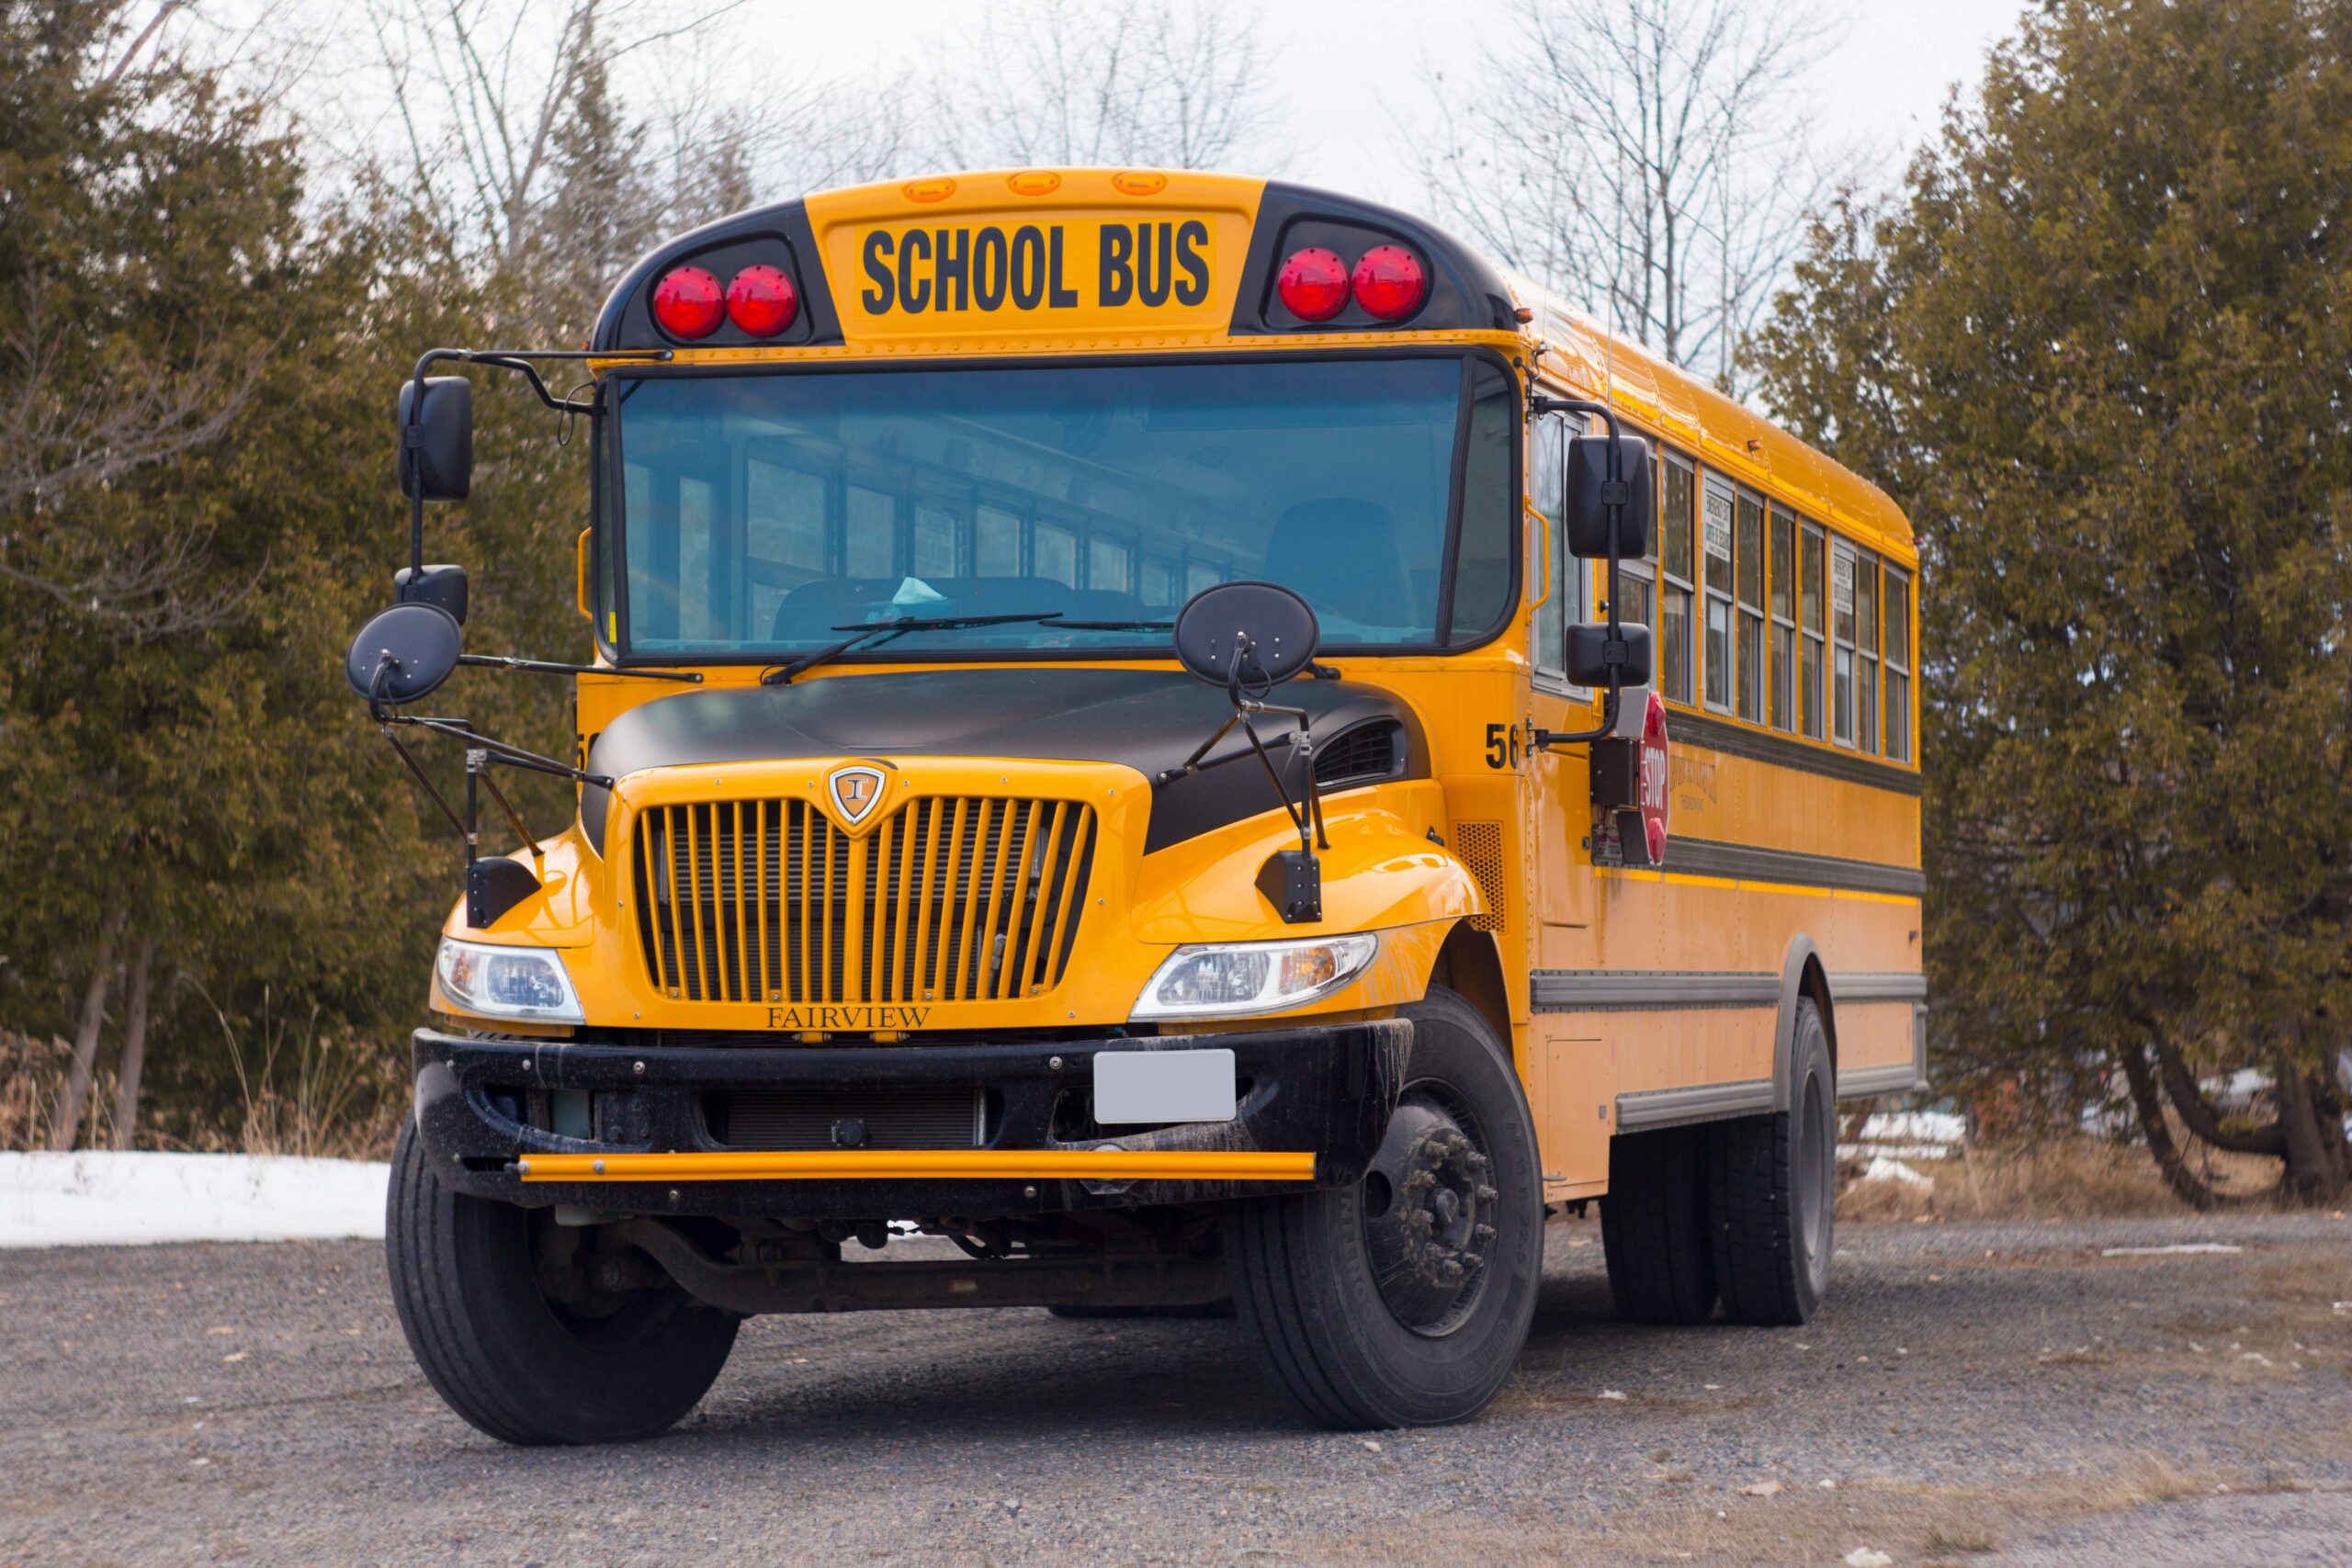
(1065, 768)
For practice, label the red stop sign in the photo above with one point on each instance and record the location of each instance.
(1655, 787)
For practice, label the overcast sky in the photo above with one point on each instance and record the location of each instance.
(1347, 76)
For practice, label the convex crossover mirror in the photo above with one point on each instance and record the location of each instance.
(1591, 493)
(437, 449)
(1245, 636)
(404, 653)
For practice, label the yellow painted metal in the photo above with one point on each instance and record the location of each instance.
(930, 1165)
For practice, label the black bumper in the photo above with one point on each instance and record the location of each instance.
(1328, 1090)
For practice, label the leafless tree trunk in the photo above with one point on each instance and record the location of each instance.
(65, 1126)
(1101, 82)
(1650, 158)
(134, 1043)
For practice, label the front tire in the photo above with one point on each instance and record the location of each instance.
(515, 1363)
(1773, 1193)
(1404, 1298)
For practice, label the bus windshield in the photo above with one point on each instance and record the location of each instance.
(763, 514)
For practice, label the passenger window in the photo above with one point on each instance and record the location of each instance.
(1717, 527)
(1866, 645)
(1780, 692)
(1842, 563)
(1749, 676)
(1813, 663)
(1898, 665)
(1677, 577)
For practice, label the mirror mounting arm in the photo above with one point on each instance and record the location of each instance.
(516, 359)
(1615, 495)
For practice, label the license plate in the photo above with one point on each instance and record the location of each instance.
(1163, 1085)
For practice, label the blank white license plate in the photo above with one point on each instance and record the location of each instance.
(1163, 1085)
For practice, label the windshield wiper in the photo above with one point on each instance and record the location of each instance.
(1116, 625)
(883, 631)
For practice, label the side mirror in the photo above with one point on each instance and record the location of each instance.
(437, 451)
(444, 585)
(403, 653)
(1591, 492)
(1245, 636)
(1591, 654)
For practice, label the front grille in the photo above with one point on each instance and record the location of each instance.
(949, 899)
(821, 1118)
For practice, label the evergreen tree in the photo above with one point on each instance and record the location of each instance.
(2099, 351)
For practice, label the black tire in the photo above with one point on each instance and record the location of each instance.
(1653, 1227)
(514, 1364)
(1772, 1193)
(1403, 1299)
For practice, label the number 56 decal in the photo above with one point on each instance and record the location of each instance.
(1502, 745)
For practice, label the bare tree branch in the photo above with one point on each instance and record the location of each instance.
(1666, 177)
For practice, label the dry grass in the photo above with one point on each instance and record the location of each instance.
(2066, 1178)
(30, 1072)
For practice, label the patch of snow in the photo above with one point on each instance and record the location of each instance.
(1896, 1151)
(1916, 1126)
(98, 1198)
(1886, 1169)
(2175, 1248)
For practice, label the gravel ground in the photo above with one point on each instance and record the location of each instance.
(1987, 1394)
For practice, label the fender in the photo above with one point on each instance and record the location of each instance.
(1801, 956)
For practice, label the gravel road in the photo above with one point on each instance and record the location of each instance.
(1981, 1393)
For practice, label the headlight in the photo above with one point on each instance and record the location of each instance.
(1228, 978)
(508, 982)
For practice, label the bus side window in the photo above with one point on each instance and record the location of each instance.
(1842, 563)
(1866, 644)
(1815, 625)
(1677, 577)
(1898, 665)
(1716, 527)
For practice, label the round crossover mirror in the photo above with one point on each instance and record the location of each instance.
(1246, 635)
(403, 654)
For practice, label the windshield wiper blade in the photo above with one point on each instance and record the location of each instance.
(883, 631)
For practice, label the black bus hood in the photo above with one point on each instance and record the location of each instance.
(1147, 719)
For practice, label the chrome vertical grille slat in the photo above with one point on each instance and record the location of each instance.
(950, 899)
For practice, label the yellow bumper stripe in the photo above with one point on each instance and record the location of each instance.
(928, 1165)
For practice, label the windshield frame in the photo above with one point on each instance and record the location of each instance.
(608, 547)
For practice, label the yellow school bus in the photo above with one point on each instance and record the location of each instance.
(1187, 737)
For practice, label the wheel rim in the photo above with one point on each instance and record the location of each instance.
(1816, 1165)
(1428, 1206)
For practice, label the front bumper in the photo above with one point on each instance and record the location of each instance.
(1324, 1092)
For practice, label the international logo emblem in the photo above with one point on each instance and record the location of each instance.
(856, 791)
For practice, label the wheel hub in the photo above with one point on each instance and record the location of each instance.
(1428, 1217)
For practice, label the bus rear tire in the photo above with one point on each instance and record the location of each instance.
(1653, 1227)
(515, 1364)
(1772, 1193)
(1404, 1298)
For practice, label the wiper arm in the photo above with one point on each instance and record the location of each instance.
(1116, 625)
(882, 632)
